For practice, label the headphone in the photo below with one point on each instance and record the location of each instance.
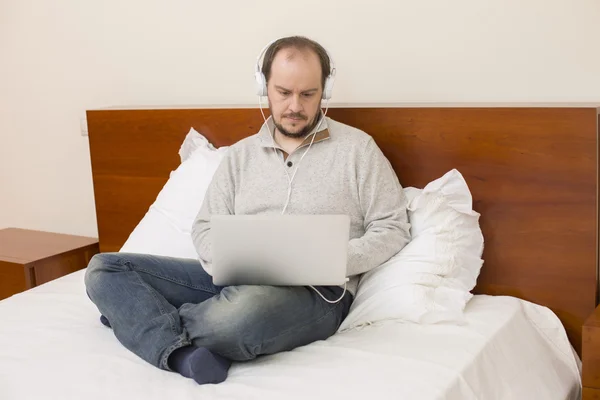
(261, 80)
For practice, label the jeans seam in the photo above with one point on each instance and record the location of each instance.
(182, 339)
(177, 281)
(129, 264)
(181, 342)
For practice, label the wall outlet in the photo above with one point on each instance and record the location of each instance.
(83, 126)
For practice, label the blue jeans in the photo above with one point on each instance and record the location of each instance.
(158, 304)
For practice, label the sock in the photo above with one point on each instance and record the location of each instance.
(200, 364)
(104, 321)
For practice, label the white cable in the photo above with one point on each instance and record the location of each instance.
(290, 180)
(314, 133)
(334, 301)
(289, 196)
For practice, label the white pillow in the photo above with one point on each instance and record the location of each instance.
(158, 236)
(166, 228)
(192, 141)
(430, 279)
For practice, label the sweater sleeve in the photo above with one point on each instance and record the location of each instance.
(218, 200)
(383, 204)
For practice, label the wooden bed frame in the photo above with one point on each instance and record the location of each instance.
(532, 170)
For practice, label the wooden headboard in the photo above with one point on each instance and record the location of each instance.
(532, 172)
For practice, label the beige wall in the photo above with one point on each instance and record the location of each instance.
(59, 58)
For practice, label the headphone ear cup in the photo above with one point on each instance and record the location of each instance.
(261, 84)
(328, 88)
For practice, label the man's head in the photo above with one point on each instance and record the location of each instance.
(295, 69)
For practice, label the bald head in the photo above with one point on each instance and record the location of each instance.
(301, 45)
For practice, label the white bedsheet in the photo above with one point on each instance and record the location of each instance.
(52, 346)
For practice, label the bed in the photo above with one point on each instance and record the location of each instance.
(532, 171)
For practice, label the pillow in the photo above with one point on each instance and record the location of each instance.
(166, 227)
(192, 141)
(430, 279)
(156, 235)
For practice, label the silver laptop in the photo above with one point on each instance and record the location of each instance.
(279, 250)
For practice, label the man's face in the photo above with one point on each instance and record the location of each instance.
(294, 91)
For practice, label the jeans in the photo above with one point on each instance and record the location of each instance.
(157, 304)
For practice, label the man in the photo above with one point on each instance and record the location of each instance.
(169, 312)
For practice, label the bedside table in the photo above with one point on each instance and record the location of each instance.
(591, 356)
(29, 258)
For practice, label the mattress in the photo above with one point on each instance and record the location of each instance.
(52, 346)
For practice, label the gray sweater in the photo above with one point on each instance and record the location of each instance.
(344, 172)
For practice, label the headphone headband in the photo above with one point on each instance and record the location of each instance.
(261, 80)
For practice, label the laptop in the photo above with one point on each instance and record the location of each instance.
(280, 250)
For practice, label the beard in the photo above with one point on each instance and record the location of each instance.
(301, 133)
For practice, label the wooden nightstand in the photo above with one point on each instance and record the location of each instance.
(30, 258)
(591, 356)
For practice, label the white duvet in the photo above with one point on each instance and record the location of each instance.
(52, 346)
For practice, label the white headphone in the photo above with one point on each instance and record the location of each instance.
(261, 80)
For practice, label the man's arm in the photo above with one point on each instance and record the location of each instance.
(218, 200)
(383, 204)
